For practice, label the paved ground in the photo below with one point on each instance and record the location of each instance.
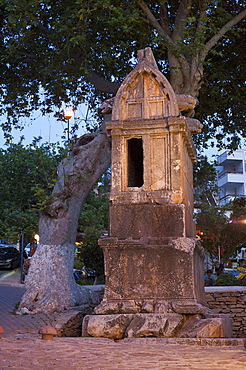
(28, 352)
(22, 348)
(11, 292)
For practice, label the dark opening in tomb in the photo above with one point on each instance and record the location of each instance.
(135, 162)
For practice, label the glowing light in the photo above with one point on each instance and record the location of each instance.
(68, 113)
(36, 238)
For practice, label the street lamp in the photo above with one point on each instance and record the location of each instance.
(21, 256)
(68, 113)
(243, 221)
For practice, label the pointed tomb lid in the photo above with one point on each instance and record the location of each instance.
(145, 93)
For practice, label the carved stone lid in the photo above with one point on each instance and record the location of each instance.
(145, 93)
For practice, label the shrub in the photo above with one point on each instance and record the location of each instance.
(78, 264)
(228, 280)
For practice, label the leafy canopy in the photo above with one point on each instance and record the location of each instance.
(27, 178)
(216, 230)
(205, 181)
(93, 222)
(55, 52)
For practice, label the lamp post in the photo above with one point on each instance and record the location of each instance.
(21, 256)
(68, 113)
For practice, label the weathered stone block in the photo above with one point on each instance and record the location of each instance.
(210, 297)
(236, 310)
(216, 327)
(154, 325)
(217, 295)
(229, 299)
(108, 326)
(147, 220)
(217, 309)
(241, 314)
(151, 283)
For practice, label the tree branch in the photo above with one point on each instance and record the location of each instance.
(222, 31)
(92, 77)
(200, 23)
(164, 19)
(101, 84)
(180, 20)
(155, 24)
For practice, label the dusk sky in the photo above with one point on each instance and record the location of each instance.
(47, 127)
(52, 130)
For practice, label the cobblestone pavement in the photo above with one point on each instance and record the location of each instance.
(11, 292)
(10, 296)
(28, 352)
(22, 348)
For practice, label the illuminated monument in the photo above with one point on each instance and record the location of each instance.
(153, 262)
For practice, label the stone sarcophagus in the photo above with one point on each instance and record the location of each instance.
(153, 262)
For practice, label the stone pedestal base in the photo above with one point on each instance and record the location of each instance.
(153, 275)
(156, 325)
(154, 288)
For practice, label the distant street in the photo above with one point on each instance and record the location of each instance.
(4, 271)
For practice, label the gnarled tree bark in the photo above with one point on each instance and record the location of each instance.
(50, 285)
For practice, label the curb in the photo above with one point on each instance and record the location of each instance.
(11, 278)
(8, 274)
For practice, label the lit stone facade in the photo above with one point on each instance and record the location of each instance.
(153, 262)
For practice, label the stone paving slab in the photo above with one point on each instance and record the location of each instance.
(28, 352)
(66, 323)
(16, 324)
(22, 348)
(11, 292)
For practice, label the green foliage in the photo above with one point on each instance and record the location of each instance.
(95, 211)
(216, 230)
(220, 97)
(228, 280)
(236, 227)
(55, 52)
(89, 251)
(211, 223)
(205, 181)
(27, 175)
(238, 209)
(78, 264)
(93, 221)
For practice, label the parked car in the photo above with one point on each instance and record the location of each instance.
(232, 271)
(9, 257)
(85, 273)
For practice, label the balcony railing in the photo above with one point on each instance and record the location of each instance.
(225, 172)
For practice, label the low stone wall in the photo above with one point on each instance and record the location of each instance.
(231, 301)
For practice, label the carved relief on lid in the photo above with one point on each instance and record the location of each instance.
(145, 93)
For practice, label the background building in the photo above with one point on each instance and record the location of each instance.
(231, 175)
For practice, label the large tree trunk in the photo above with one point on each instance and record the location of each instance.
(50, 285)
(186, 78)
